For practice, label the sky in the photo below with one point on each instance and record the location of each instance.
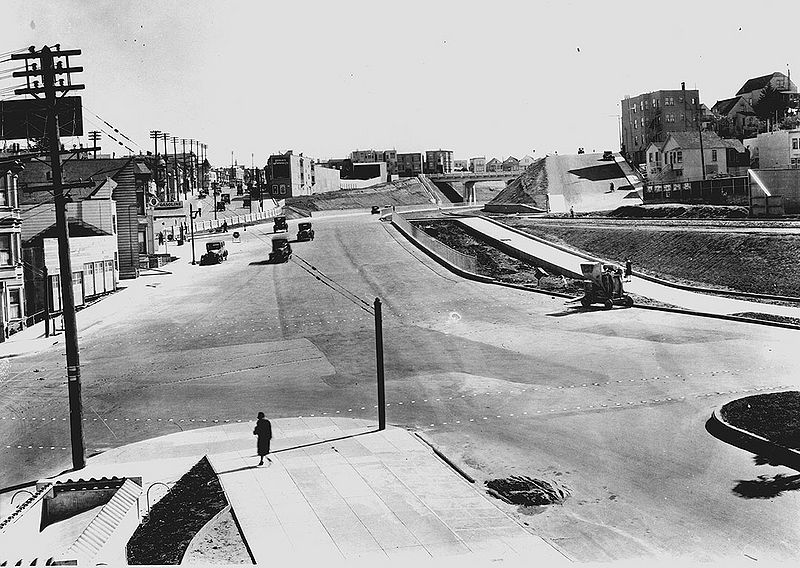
(324, 78)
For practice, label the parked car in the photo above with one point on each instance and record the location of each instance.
(305, 232)
(376, 209)
(281, 251)
(608, 155)
(280, 224)
(215, 253)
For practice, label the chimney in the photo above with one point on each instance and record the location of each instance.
(683, 85)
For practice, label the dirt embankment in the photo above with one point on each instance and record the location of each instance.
(764, 263)
(407, 191)
(494, 263)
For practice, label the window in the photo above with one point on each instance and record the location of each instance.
(669, 101)
(713, 155)
(642, 122)
(794, 143)
(142, 243)
(5, 179)
(655, 103)
(55, 293)
(14, 304)
(641, 106)
(679, 157)
(114, 224)
(670, 118)
(6, 256)
(693, 100)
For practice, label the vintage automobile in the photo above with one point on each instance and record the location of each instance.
(280, 224)
(215, 253)
(281, 251)
(608, 156)
(375, 209)
(305, 232)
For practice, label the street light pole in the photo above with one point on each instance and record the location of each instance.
(379, 364)
(191, 228)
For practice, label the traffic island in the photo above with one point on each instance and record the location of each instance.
(767, 425)
(166, 532)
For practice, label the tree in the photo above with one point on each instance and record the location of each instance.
(771, 105)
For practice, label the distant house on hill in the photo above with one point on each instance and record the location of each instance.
(526, 161)
(510, 164)
(493, 165)
(678, 159)
(741, 119)
(752, 88)
(477, 165)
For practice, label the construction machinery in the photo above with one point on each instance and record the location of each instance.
(602, 284)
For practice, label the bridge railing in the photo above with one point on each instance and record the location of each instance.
(463, 261)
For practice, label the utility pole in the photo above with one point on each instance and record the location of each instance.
(94, 136)
(155, 134)
(164, 136)
(48, 72)
(183, 175)
(175, 168)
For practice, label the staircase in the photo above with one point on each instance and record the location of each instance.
(91, 541)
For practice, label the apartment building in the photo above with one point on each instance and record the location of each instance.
(650, 118)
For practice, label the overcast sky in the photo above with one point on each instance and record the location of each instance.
(326, 77)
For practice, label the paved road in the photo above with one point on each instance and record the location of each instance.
(610, 403)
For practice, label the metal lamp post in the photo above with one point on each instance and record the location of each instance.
(192, 215)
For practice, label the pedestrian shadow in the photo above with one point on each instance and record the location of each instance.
(301, 446)
(325, 441)
(766, 487)
(243, 468)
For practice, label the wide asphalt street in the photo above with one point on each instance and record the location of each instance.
(611, 404)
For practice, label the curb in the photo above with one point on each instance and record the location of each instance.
(645, 307)
(639, 274)
(472, 276)
(754, 441)
(445, 459)
(487, 280)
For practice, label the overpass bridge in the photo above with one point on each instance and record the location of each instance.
(469, 179)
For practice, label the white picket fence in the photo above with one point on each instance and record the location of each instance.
(236, 220)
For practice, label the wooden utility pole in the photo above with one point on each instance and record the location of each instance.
(48, 71)
(94, 136)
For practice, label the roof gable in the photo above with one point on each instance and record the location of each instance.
(77, 228)
(690, 140)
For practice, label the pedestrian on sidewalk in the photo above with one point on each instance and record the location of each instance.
(571, 212)
(224, 226)
(611, 187)
(628, 270)
(263, 430)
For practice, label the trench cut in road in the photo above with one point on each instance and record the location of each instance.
(503, 381)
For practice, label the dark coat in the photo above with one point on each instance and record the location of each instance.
(263, 430)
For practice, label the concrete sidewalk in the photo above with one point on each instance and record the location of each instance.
(337, 489)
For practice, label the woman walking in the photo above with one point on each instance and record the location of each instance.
(263, 430)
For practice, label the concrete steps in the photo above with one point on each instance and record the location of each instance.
(92, 540)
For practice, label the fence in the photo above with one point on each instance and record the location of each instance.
(236, 220)
(463, 261)
(720, 191)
